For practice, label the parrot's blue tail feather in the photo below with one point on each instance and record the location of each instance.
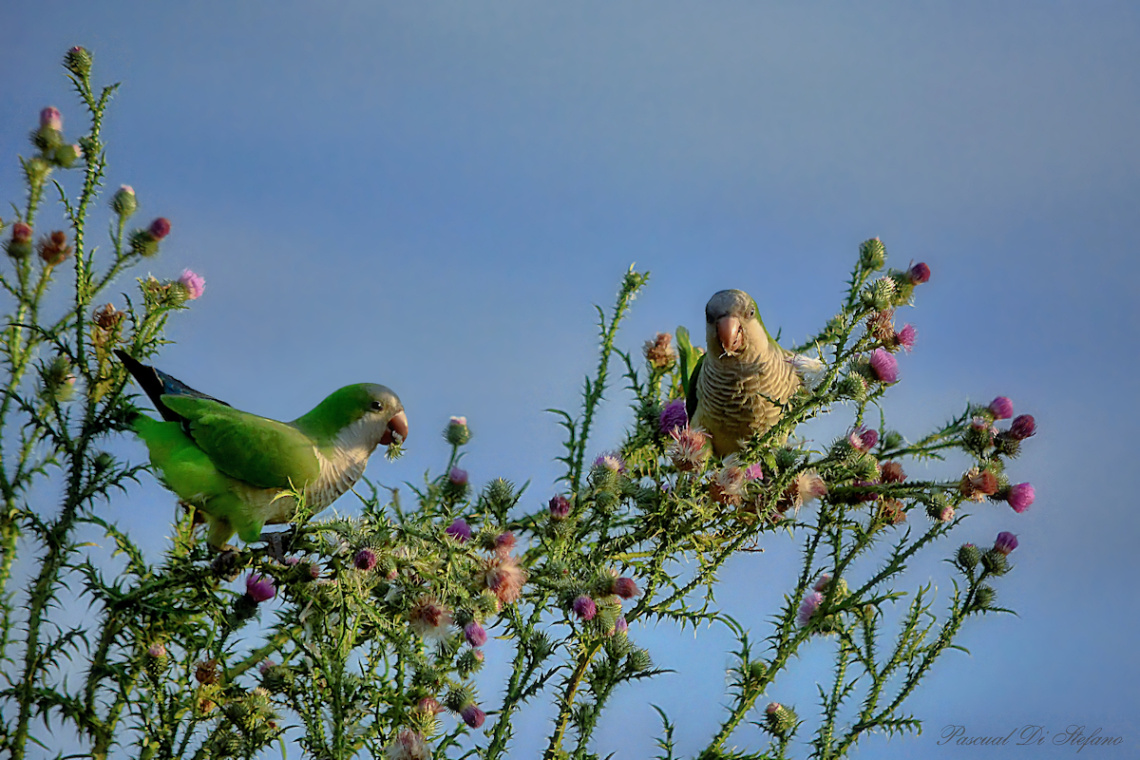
(157, 383)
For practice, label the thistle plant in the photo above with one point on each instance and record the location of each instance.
(357, 636)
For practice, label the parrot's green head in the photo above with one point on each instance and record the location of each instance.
(733, 326)
(364, 414)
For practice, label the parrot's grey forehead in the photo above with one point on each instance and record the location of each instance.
(380, 392)
(726, 302)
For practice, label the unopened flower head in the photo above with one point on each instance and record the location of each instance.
(584, 607)
(687, 451)
(78, 61)
(659, 352)
(123, 202)
(429, 618)
(475, 634)
(259, 587)
(21, 232)
(457, 432)
(673, 416)
(625, 587)
(1006, 542)
(365, 559)
(884, 366)
(504, 542)
(919, 273)
(459, 530)
(51, 118)
(473, 716)
(621, 626)
(1021, 496)
(808, 606)
(822, 583)
(1001, 408)
(193, 284)
(863, 438)
(457, 476)
(559, 507)
(1023, 427)
(157, 651)
(159, 228)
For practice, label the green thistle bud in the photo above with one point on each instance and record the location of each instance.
(995, 562)
(143, 243)
(968, 556)
(58, 381)
(984, 597)
(619, 646)
(66, 155)
(485, 605)
(156, 661)
(872, 254)
(499, 495)
(1006, 445)
(469, 662)
(47, 139)
(102, 462)
(786, 458)
(458, 698)
(607, 611)
(540, 645)
(78, 61)
(779, 720)
(757, 669)
(226, 744)
(865, 467)
(457, 433)
(904, 288)
(639, 661)
(36, 170)
(278, 679)
(123, 202)
(892, 439)
(853, 386)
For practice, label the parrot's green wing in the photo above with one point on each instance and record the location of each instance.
(255, 450)
(691, 359)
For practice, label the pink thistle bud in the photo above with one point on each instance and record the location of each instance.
(905, 337)
(946, 514)
(473, 716)
(687, 449)
(753, 472)
(457, 476)
(157, 651)
(772, 708)
(863, 439)
(584, 607)
(21, 232)
(821, 584)
(475, 634)
(193, 284)
(504, 542)
(365, 559)
(1021, 496)
(1001, 408)
(1023, 427)
(808, 606)
(429, 706)
(459, 530)
(259, 588)
(892, 472)
(624, 587)
(159, 228)
(884, 366)
(559, 507)
(919, 273)
(673, 416)
(51, 118)
(457, 432)
(265, 666)
(621, 626)
(1005, 543)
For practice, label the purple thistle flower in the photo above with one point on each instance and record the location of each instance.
(259, 588)
(906, 336)
(753, 472)
(1001, 408)
(457, 476)
(1006, 542)
(1021, 496)
(459, 530)
(611, 460)
(559, 507)
(621, 626)
(884, 366)
(674, 416)
(365, 559)
(585, 608)
(810, 604)
(51, 118)
(1023, 427)
(159, 228)
(862, 439)
(919, 273)
(475, 634)
(194, 284)
(472, 715)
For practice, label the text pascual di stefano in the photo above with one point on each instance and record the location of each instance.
(1076, 736)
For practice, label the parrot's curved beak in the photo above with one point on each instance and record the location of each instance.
(730, 334)
(397, 426)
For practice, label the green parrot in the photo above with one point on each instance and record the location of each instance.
(239, 469)
(737, 388)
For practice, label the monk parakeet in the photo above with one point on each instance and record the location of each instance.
(736, 389)
(239, 469)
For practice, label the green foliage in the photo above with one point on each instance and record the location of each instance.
(375, 641)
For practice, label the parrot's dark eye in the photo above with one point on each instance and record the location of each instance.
(377, 406)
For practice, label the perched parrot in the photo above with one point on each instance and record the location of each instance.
(238, 468)
(736, 389)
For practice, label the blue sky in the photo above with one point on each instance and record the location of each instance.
(432, 195)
